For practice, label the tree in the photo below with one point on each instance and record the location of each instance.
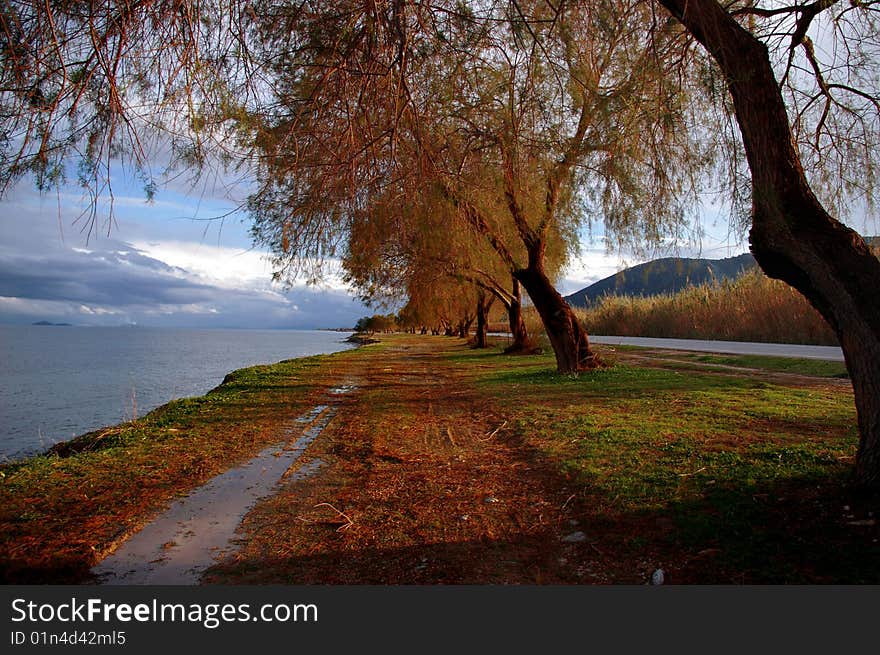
(484, 304)
(833, 120)
(376, 323)
(86, 85)
(334, 102)
(524, 124)
(437, 300)
(401, 235)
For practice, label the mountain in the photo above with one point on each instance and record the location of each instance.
(666, 275)
(669, 275)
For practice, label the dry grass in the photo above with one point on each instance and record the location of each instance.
(430, 488)
(447, 464)
(750, 308)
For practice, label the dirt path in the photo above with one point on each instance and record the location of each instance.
(177, 547)
(418, 468)
(419, 486)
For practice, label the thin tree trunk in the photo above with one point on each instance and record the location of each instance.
(567, 336)
(792, 237)
(520, 337)
(484, 304)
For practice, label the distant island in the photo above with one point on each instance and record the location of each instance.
(53, 324)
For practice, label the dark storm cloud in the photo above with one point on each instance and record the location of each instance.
(50, 271)
(119, 278)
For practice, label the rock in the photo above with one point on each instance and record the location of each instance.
(361, 339)
(658, 577)
(575, 538)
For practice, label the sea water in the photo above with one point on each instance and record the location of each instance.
(59, 382)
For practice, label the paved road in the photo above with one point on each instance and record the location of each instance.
(735, 347)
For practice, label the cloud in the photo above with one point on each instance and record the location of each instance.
(126, 286)
(49, 272)
(222, 266)
(118, 276)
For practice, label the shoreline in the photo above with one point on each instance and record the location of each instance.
(49, 401)
(164, 454)
(449, 465)
(81, 442)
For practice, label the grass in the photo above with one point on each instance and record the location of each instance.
(688, 361)
(457, 465)
(798, 366)
(717, 478)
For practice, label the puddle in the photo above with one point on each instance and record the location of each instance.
(196, 530)
(305, 471)
(308, 417)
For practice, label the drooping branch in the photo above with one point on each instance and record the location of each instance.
(563, 167)
(478, 222)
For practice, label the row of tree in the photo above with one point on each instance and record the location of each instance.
(450, 151)
(451, 317)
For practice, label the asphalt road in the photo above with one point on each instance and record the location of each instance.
(833, 353)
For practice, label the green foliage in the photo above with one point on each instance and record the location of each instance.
(376, 323)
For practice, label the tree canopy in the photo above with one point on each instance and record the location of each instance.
(519, 122)
(526, 121)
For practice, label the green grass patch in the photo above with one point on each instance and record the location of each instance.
(814, 367)
(638, 429)
(752, 475)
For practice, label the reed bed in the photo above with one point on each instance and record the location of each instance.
(751, 308)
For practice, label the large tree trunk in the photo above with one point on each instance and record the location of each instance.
(520, 336)
(793, 238)
(484, 304)
(567, 336)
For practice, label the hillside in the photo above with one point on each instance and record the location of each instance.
(666, 275)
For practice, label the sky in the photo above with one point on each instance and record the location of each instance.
(160, 264)
(168, 264)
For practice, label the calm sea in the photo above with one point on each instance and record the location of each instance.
(60, 382)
